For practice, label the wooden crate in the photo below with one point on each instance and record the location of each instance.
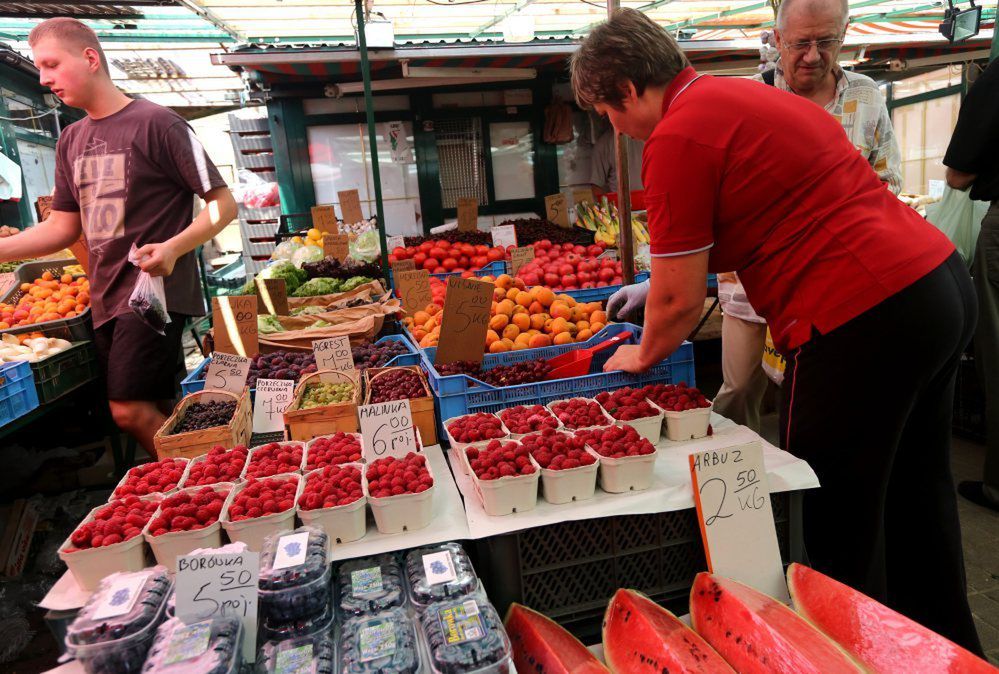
(195, 443)
(307, 424)
(421, 408)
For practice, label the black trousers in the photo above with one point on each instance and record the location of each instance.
(869, 406)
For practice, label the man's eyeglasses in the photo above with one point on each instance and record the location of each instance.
(824, 46)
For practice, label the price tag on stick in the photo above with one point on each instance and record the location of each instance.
(334, 354)
(468, 214)
(223, 584)
(350, 207)
(227, 372)
(234, 319)
(272, 399)
(519, 257)
(504, 236)
(403, 265)
(737, 522)
(557, 209)
(336, 246)
(465, 320)
(387, 429)
(324, 219)
(414, 289)
(393, 242)
(583, 196)
(272, 294)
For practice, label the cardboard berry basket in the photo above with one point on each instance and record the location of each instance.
(509, 494)
(689, 424)
(308, 447)
(422, 408)
(460, 447)
(201, 459)
(649, 428)
(307, 424)
(90, 566)
(342, 524)
(284, 443)
(253, 531)
(405, 512)
(628, 473)
(521, 436)
(608, 422)
(195, 443)
(169, 546)
(180, 485)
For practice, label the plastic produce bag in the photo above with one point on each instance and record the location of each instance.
(960, 219)
(148, 298)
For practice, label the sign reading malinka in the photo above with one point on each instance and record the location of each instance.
(234, 322)
(324, 219)
(272, 294)
(334, 354)
(227, 372)
(583, 196)
(269, 403)
(350, 207)
(336, 246)
(737, 522)
(465, 320)
(468, 214)
(222, 584)
(414, 289)
(504, 236)
(387, 429)
(557, 209)
(403, 265)
(519, 257)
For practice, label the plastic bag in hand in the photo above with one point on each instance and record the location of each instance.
(148, 298)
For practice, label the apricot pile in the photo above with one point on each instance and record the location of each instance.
(48, 298)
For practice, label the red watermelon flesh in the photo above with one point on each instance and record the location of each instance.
(541, 646)
(759, 635)
(641, 637)
(878, 637)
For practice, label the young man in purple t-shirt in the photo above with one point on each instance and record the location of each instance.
(125, 175)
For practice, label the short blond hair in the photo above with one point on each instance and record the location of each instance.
(69, 32)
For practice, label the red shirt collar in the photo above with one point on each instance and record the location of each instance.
(682, 79)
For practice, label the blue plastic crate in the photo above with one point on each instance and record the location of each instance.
(194, 382)
(600, 294)
(460, 394)
(491, 269)
(18, 394)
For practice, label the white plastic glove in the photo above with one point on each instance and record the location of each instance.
(627, 300)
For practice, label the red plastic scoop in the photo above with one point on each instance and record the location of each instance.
(577, 363)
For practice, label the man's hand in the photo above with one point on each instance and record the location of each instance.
(959, 180)
(627, 300)
(627, 358)
(157, 259)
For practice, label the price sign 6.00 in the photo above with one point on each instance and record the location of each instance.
(387, 429)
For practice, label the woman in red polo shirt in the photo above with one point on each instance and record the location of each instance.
(869, 303)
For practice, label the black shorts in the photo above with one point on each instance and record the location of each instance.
(140, 363)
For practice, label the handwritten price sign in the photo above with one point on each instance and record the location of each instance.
(387, 429)
(227, 372)
(737, 521)
(272, 399)
(220, 585)
(334, 354)
(466, 320)
(234, 319)
(414, 289)
(557, 209)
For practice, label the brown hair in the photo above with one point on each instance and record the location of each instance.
(70, 32)
(627, 47)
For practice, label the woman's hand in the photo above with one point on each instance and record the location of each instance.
(627, 358)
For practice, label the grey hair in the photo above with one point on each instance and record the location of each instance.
(785, 4)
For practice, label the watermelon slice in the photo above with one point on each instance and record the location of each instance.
(759, 635)
(540, 646)
(641, 637)
(878, 637)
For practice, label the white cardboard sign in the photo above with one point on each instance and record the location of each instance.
(227, 372)
(272, 399)
(221, 584)
(737, 522)
(504, 236)
(334, 354)
(387, 429)
(393, 242)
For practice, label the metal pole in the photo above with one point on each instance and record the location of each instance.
(626, 245)
(376, 177)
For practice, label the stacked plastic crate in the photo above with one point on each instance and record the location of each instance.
(252, 149)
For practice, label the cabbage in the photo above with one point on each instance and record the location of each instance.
(285, 250)
(318, 286)
(366, 246)
(268, 324)
(307, 254)
(283, 269)
(307, 311)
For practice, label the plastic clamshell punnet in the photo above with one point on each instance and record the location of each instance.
(212, 646)
(294, 574)
(439, 573)
(369, 585)
(297, 654)
(381, 643)
(466, 636)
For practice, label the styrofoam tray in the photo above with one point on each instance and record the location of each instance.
(406, 512)
(180, 485)
(308, 446)
(254, 531)
(167, 547)
(342, 524)
(507, 495)
(520, 436)
(689, 424)
(249, 457)
(610, 419)
(629, 473)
